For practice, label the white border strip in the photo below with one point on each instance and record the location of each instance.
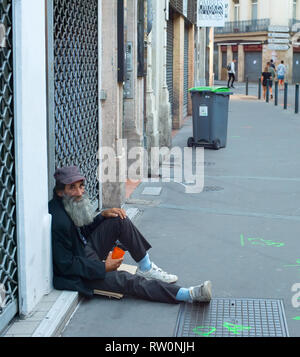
(57, 315)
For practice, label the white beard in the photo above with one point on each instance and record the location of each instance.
(81, 212)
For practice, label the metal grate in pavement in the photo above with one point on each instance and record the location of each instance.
(232, 318)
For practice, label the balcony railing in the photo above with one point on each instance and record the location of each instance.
(244, 26)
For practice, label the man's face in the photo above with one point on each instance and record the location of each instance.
(75, 189)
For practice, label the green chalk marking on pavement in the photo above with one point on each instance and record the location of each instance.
(202, 333)
(242, 240)
(236, 329)
(261, 241)
(297, 318)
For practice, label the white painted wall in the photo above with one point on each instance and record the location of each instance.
(33, 220)
(279, 11)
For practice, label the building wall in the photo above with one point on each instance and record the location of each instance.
(33, 220)
(113, 193)
(280, 13)
(133, 107)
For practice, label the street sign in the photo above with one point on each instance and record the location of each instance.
(296, 27)
(278, 34)
(278, 40)
(278, 47)
(278, 29)
(211, 13)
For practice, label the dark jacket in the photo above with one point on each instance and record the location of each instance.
(70, 266)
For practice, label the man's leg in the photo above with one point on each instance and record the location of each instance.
(153, 290)
(129, 284)
(108, 232)
(229, 77)
(233, 79)
(104, 238)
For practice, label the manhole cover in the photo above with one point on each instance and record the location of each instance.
(232, 318)
(212, 188)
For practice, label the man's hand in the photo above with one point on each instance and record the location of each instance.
(114, 212)
(112, 264)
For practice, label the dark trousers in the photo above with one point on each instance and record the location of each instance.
(231, 78)
(101, 242)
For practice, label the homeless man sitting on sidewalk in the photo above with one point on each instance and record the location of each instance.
(82, 244)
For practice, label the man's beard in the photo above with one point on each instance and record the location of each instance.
(81, 211)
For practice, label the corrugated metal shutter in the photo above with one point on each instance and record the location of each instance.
(253, 65)
(170, 35)
(76, 88)
(296, 67)
(8, 229)
(186, 71)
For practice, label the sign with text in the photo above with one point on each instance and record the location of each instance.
(278, 29)
(278, 47)
(296, 27)
(278, 40)
(279, 34)
(212, 13)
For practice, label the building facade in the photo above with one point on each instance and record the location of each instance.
(257, 31)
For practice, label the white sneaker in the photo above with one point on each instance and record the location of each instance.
(158, 274)
(201, 293)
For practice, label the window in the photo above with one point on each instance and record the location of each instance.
(294, 9)
(236, 5)
(254, 9)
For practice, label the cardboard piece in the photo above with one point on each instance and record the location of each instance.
(123, 267)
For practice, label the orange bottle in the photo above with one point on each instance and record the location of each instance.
(117, 253)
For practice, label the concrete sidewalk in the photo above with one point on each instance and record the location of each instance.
(251, 191)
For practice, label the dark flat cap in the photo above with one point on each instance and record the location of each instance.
(68, 175)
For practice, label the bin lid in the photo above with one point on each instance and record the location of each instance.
(222, 90)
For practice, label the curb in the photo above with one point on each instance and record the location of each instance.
(48, 318)
(58, 315)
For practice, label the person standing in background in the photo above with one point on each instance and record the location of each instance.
(231, 74)
(265, 76)
(281, 71)
(272, 64)
(273, 74)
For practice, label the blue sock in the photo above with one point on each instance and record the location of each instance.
(183, 295)
(145, 263)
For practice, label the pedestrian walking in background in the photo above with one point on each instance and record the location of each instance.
(272, 64)
(281, 71)
(271, 69)
(231, 73)
(266, 75)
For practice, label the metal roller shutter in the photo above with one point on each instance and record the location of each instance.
(296, 67)
(186, 71)
(8, 238)
(253, 66)
(170, 35)
(76, 88)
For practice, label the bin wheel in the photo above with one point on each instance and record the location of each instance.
(217, 144)
(190, 142)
